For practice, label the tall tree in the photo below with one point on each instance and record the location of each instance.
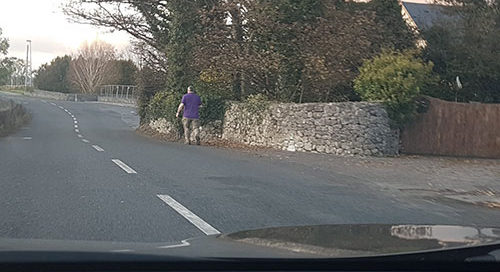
(5, 64)
(467, 45)
(290, 50)
(165, 29)
(184, 24)
(293, 15)
(396, 33)
(123, 72)
(146, 21)
(4, 44)
(54, 76)
(92, 65)
(15, 70)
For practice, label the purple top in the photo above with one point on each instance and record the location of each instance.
(191, 103)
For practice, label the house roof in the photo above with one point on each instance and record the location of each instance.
(425, 15)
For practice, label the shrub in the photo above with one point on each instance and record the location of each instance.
(149, 82)
(214, 96)
(214, 108)
(256, 103)
(396, 79)
(164, 105)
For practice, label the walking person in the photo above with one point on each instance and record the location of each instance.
(190, 103)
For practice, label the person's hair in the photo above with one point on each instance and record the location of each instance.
(191, 89)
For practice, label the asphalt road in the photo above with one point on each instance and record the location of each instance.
(79, 171)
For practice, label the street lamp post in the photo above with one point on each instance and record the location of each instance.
(27, 77)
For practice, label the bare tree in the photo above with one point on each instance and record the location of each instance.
(146, 21)
(92, 65)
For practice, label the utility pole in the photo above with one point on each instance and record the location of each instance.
(27, 68)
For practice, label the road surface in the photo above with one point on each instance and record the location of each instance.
(79, 171)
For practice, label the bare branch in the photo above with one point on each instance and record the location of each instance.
(92, 65)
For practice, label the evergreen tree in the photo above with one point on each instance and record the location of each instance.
(467, 45)
(396, 33)
(53, 76)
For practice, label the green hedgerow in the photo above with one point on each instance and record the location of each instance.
(164, 105)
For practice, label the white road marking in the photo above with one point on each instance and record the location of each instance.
(79, 135)
(27, 138)
(98, 148)
(44, 101)
(76, 122)
(61, 107)
(191, 217)
(76, 126)
(77, 130)
(66, 110)
(53, 104)
(123, 166)
(85, 141)
(182, 244)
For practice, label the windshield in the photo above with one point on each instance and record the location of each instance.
(126, 124)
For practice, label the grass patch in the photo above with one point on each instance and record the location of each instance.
(17, 90)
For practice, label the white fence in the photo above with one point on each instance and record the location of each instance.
(118, 91)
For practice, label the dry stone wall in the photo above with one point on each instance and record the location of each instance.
(350, 128)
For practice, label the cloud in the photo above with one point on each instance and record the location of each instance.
(39, 44)
(48, 28)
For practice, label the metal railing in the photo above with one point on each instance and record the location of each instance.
(118, 91)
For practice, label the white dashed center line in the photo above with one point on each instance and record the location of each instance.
(191, 217)
(76, 126)
(61, 107)
(123, 166)
(85, 141)
(53, 104)
(77, 130)
(27, 138)
(79, 135)
(98, 148)
(76, 122)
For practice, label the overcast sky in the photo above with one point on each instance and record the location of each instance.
(43, 22)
